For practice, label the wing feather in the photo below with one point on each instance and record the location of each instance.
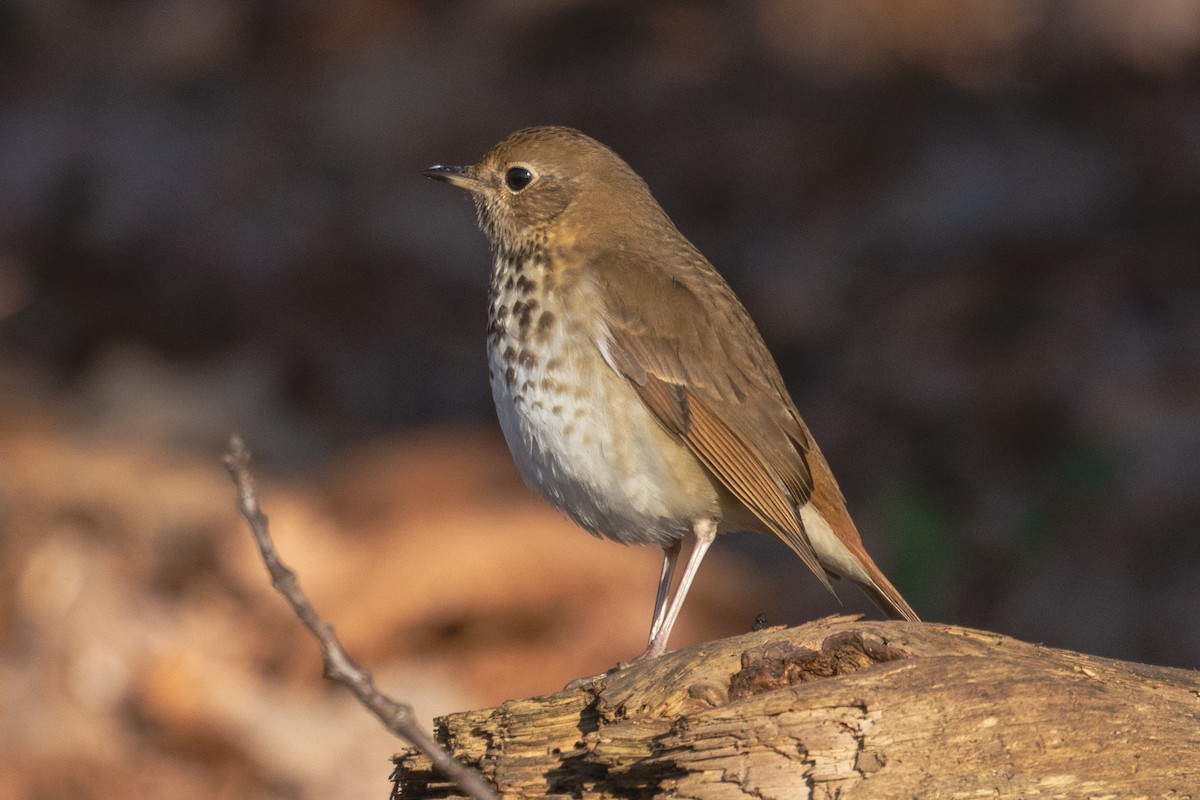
(704, 372)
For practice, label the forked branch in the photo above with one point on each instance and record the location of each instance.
(339, 666)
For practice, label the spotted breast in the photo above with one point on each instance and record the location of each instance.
(615, 471)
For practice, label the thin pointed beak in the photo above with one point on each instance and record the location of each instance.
(455, 176)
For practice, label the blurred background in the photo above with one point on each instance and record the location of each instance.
(969, 231)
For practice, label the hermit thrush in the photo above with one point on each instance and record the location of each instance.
(633, 389)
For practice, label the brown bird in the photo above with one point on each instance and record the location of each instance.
(633, 389)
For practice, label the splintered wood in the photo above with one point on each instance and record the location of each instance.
(842, 708)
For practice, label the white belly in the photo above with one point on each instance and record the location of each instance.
(582, 438)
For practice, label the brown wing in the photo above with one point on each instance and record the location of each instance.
(690, 350)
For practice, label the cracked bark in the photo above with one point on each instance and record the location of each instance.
(842, 708)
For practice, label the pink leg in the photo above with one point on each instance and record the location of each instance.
(706, 532)
(665, 613)
(670, 558)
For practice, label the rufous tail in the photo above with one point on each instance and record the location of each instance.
(888, 599)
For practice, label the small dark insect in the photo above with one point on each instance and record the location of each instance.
(760, 622)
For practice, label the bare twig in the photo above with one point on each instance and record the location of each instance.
(396, 717)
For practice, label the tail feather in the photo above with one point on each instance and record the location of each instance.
(888, 599)
(830, 507)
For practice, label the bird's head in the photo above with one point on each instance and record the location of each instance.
(538, 183)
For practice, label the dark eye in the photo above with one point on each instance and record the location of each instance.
(517, 178)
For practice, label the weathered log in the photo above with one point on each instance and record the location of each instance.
(842, 708)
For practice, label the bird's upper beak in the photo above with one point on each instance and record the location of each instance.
(462, 177)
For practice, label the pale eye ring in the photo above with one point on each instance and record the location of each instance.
(517, 178)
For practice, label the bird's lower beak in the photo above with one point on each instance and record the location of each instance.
(455, 176)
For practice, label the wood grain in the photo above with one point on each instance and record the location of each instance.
(843, 708)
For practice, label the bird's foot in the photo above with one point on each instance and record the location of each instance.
(580, 683)
(646, 655)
